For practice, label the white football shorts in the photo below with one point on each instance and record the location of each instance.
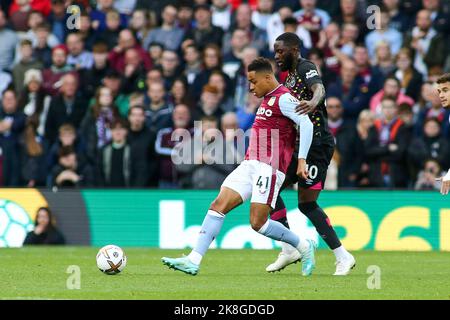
(256, 179)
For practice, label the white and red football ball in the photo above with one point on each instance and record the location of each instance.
(111, 259)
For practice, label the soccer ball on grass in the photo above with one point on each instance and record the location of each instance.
(111, 259)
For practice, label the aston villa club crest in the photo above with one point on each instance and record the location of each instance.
(271, 101)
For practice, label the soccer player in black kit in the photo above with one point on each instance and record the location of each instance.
(304, 82)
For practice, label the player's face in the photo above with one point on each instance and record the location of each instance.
(258, 83)
(444, 94)
(284, 55)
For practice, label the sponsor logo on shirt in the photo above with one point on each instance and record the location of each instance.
(312, 73)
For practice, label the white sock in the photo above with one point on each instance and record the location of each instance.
(302, 244)
(341, 253)
(195, 257)
(287, 248)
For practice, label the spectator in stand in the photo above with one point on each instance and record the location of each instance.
(439, 14)
(94, 75)
(204, 32)
(113, 81)
(372, 77)
(33, 100)
(41, 50)
(212, 60)
(158, 111)
(232, 60)
(142, 140)
(328, 44)
(98, 15)
(386, 33)
(221, 14)
(45, 231)
(243, 20)
(351, 12)
(351, 89)
(67, 107)
(140, 24)
(8, 39)
(52, 76)
(67, 137)
(291, 25)
(193, 64)
(169, 178)
(316, 56)
(18, 15)
(58, 19)
(134, 74)
(209, 104)
(34, 169)
(427, 179)
(110, 35)
(170, 66)
(179, 92)
(262, 14)
(89, 35)
(35, 19)
(26, 63)
(312, 18)
(400, 21)
(155, 50)
(96, 126)
(70, 171)
(429, 46)
(226, 100)
(384, 62)
(120, 165)
(432, 145)
(127, 41)
(185, 15)
(12, 124)
(169, 35)
(78, 57)
(365, 122)
(386, 149)
(349, 152)
(391, 89)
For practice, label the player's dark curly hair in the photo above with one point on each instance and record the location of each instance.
(290, 39)
(260, 64)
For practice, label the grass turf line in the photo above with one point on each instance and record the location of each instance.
(40, 273)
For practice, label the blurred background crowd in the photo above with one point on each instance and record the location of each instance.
(90, 98)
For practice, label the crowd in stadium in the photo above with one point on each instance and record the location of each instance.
(90, 98)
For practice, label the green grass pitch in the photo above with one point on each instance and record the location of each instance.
(40, 273)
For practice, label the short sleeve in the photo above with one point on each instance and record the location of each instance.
(308, 71)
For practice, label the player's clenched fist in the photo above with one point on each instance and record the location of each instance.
(302, 169)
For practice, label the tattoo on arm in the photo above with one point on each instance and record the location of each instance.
(319, 93)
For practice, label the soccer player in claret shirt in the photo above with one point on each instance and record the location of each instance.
(261, 175)
(443, 88)
(304, 82)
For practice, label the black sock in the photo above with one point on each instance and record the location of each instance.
(322, 223)
(279, 213)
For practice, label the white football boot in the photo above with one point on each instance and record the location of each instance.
(345, 265)
(287, 256)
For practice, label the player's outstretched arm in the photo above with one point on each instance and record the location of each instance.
(445, 187)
